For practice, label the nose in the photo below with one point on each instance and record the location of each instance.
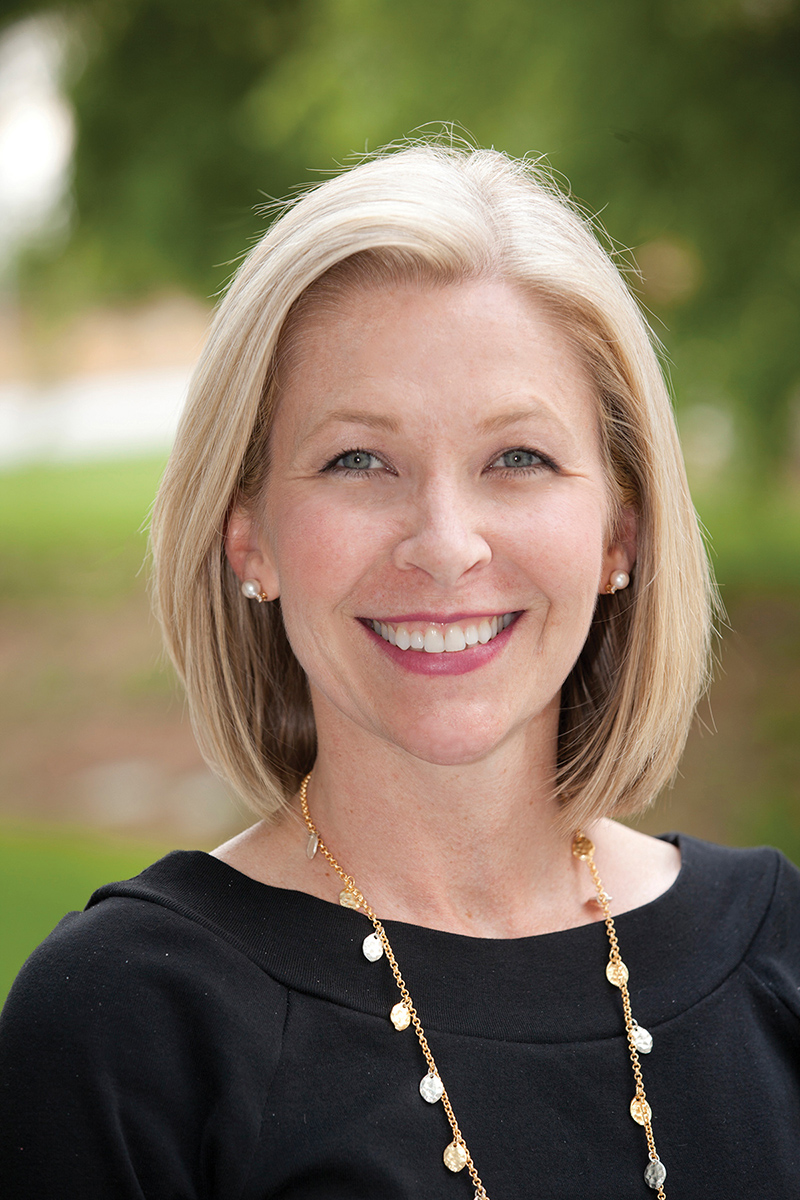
(444, 536)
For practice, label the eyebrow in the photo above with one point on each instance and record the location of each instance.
(373, 420)
(354, 416)
(502, 420)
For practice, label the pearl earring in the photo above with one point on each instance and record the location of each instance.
(618, 581)
(253, 590)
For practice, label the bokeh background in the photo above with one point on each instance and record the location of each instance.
(140, 142)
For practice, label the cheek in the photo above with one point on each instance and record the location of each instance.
(322, 551)
(563, 547)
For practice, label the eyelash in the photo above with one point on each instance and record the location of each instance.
(332, 467)
(532, 468)
(351, 472)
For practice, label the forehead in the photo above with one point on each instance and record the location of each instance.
(485, 339)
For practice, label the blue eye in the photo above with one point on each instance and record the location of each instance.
(358, 461)
(519, 459)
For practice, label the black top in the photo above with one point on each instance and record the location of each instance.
(195, 1035)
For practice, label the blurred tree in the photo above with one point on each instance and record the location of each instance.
(165, 177)
(677, 119)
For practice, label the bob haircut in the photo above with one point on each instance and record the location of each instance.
(433, 215)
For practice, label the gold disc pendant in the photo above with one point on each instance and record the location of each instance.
(582, 847)
(640, 1111)
(347, 899)
(455, 1157)
(616, 972)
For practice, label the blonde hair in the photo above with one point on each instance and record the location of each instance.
(438, 215)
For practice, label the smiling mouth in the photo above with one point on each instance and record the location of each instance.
(437, 637)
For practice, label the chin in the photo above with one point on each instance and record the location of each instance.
(450, 747)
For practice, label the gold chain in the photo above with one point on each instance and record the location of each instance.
(617, 973)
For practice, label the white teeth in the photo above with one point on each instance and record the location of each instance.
(436, 638)
(454, 638)
(434, 641)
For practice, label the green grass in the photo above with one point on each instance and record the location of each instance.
(75, 530)
(43, 506)
(44, 875)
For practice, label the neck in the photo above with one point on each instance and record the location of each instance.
(473, 849)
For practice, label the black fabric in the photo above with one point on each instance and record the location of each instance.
(194, 1034)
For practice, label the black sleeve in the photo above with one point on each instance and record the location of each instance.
(774, 956)
(136, 1053)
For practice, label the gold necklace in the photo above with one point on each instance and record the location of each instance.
(456, 1155)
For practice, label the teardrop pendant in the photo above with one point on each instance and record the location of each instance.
(642, 1039)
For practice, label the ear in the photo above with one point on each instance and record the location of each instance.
(248, 552)
(620, 554)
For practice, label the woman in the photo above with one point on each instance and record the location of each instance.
(427, 563)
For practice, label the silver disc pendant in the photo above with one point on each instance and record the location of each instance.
(311, 845)
(400, 1016)
(654, 1174)
(431, 1088)
(372, 947)
(642, 1039)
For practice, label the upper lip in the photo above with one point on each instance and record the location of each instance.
(442, 619)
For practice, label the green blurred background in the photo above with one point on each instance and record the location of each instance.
(675, 120)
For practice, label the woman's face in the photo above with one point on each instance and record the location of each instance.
(436, 481)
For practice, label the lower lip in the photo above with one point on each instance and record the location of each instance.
(447, 662)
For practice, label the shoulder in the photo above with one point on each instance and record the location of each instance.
(762, 872)
(774, 955)
(143, 942)
(138, 1025)
(751, 898)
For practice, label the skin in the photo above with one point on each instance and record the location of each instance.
(480, 490)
